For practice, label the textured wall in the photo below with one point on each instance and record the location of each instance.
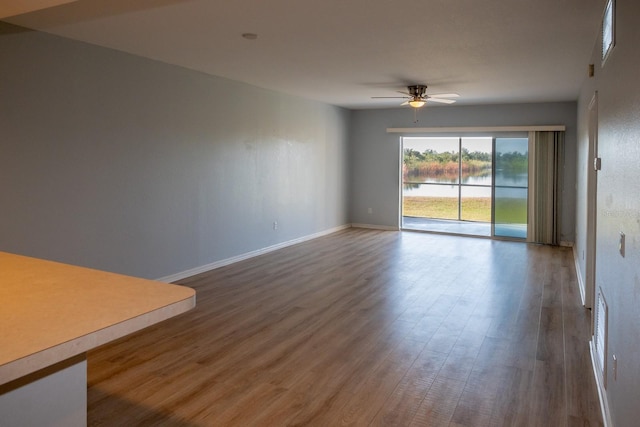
(130, 165)
(618, 207)
(376, 154)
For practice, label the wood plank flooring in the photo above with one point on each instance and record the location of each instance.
(363, 327)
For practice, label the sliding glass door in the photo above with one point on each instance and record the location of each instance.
(447, 184)
(431, 178)
(511, 187)
(465, 185)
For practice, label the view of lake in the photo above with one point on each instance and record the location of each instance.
(430, 186)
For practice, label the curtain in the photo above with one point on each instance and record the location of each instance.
(546, 161)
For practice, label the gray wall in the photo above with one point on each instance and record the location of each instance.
(125, 164)
(375, 154)
(618, 205)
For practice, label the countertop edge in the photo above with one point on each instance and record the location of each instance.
(29, 364)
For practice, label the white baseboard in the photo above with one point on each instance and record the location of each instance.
(376, 227)
(581, 286)
(566, 244)
(217, 264)
(602, 393)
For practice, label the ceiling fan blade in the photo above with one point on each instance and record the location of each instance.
(405, 103)
(390, 97)
(444, 95)
(441, 100)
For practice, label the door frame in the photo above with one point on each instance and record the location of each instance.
(592, 205)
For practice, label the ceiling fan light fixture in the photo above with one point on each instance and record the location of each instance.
(416, 97)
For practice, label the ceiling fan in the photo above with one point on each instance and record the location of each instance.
(417, 96)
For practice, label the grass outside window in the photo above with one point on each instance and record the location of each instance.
(512, 211)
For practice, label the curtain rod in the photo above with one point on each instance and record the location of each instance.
(547, 128)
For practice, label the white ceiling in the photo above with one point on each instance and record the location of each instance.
(343, 52)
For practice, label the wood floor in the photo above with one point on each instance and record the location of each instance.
(363, 327)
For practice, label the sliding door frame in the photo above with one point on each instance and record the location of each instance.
(460, 133)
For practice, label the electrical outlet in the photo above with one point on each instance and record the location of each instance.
(370, 211)
(275, 225)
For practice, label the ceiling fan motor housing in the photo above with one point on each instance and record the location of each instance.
(417, 91)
